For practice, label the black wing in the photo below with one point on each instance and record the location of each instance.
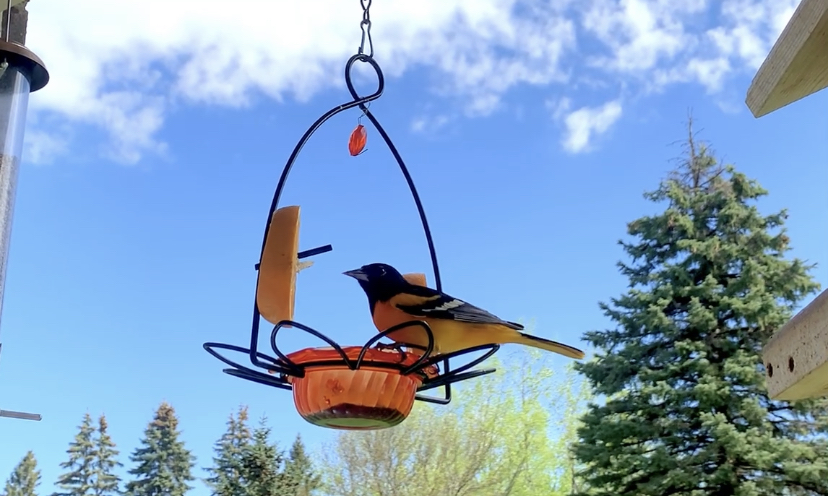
(438, 305)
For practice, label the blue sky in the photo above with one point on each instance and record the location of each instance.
(531, 128)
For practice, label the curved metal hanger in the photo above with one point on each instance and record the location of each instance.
(283, 365)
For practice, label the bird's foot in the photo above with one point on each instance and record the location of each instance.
(390, 346)
(401, 349)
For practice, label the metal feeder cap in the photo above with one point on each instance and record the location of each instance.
(19, 56)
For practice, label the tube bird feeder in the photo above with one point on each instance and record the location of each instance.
(21, 73)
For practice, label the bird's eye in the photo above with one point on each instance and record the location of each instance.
(382, 271)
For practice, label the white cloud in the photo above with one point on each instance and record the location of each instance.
(711, 72)
(751, 28)
(660, 42)
(586, 122)
(640, 33)
(429, 124)
(122, 66)
(41, 147)
(115, 72)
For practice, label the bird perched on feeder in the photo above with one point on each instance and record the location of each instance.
(455, 324)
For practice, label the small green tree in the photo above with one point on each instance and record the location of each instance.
(163, 463)
(228, 462)
(25, 478)
(300, 477)
(687, 410)
(262, 465)
(505, 434)
(79, 480)
(105, 481)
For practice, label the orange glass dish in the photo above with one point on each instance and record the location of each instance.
(371, 397)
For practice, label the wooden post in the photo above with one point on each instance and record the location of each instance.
(797, 65)
(796, 358)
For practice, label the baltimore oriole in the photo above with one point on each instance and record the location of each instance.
(456, 325)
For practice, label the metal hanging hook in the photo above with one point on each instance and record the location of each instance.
(8, 19)
(365, 25)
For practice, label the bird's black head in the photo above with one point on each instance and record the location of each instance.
(379, 281)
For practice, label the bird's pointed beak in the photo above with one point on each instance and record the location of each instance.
(357, 274)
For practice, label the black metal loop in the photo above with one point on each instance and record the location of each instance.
(360, 57)
(447, 382)
(419, 364)
(450, 376)
(210, 347)
(292, 368)
(482, 358)
(290, 363)
(231, 347)
(258, 377)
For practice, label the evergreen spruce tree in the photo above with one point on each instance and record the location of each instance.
(25, 478)
(687, 411)
(163, 464)
(227, 470)
(80, 467)
(262, 465)
(299, 474)
(105, 482)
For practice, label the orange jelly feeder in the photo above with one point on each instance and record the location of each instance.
(377, 394)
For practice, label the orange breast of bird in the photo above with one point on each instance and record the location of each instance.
(449, 335)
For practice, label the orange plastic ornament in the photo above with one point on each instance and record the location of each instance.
(371, 397)
(356, 144)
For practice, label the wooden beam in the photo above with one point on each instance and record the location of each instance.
(797, 65)
(796, 357)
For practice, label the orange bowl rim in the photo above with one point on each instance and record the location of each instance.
(328, 356)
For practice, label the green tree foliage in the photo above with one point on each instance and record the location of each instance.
(24, 479)
(247, 464)
(300, 477)
(79, 478)
(262, 465)
(163, 463)
(506, 434)
(228, 467)
(105, 481)
(687, 410)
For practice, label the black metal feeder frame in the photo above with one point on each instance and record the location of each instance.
(282, 366)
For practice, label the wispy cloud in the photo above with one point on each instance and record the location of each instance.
(42, 147)
(425, 124)
(583, 124)
(123, 71)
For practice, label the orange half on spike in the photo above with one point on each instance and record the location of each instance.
(356, 144)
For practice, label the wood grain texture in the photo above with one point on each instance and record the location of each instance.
(797, 65)
(796, 358)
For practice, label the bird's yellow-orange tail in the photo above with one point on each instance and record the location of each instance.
(548, 345)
